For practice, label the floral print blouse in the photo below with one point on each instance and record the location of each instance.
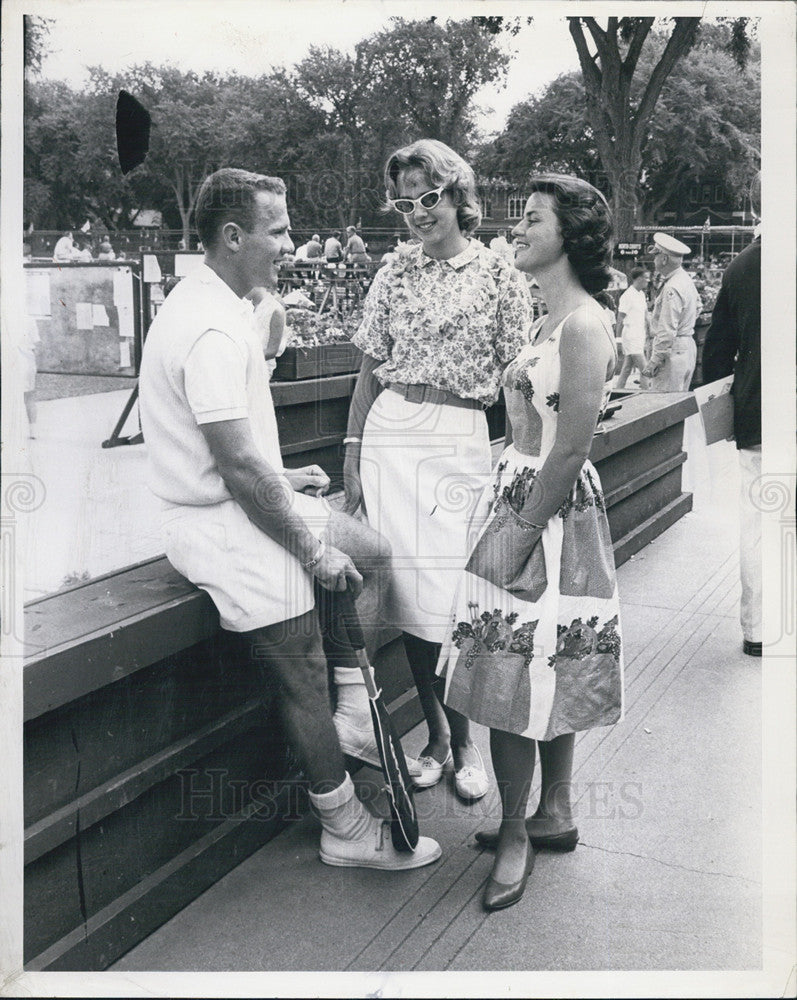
(453, 324)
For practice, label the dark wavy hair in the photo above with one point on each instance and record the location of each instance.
(586, 223)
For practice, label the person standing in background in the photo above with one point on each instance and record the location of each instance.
(500, 244)
(28, 349)
(314, 248)
(632, 322)
(355, 248)
(673, 350)
(733, 346)
(83, 249)
(106, 251)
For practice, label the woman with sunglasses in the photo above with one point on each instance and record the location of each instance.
(441, 321)
(536, 653)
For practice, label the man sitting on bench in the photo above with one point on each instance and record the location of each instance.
(236, 523)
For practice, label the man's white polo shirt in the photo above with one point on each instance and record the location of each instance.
(203, 362)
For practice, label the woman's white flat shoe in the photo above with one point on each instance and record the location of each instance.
(471, 782)
(431, 770)
(413, 766)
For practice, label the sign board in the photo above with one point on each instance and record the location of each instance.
(629, 249)
(86, 317)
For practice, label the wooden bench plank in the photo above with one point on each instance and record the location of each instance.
(82, 611)
(631, 486)
(639, 536)
(124, 921)
(641, 416)
(312, 390)
(58, 676)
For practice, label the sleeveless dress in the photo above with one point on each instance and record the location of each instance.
(545, 660)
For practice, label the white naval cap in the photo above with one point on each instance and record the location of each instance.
(669, 244)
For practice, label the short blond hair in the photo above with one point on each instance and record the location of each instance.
(444, 168)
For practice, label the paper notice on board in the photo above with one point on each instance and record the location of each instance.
(99, 315)
(123, 300)
(37, 289)
(152, 269)
(124, 353)
(85, 320)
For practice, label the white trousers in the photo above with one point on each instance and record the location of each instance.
(750, 543)
(678, 368)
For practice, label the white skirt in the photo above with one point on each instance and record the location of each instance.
(423, 467)
(253, 581)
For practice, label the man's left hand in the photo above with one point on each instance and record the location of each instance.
(309, 479)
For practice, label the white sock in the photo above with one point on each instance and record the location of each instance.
(352, 695)
(341, 812)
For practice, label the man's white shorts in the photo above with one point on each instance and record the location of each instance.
(253, 581)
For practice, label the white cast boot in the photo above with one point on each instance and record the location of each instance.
(351, 837)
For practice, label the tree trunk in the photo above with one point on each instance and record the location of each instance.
(625, 203)
(186, 230)
(618, 127)
(178, 186)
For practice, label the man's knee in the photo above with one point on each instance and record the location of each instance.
(369, 549)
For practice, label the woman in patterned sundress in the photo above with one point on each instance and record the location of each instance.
(442, 319)
(536, 650)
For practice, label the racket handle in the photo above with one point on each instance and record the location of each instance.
(348, 614)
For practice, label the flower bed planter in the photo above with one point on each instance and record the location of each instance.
(315, 362)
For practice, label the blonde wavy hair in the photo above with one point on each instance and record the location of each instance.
(443, 167)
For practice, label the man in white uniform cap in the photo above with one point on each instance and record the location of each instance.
(673, 351)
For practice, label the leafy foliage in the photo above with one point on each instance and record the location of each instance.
(35, 32)
(707, 122)
(544, 133)
(326, 127)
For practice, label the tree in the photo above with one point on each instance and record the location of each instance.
(707, 124)
(707, 121)
(413, 79)
(341, 88)
(432, 72)
(203, 122)
(548, 132)
(620, 127)
(327, 127)
(199, 123)
(35, 32)
(61, 148)
(620, 122)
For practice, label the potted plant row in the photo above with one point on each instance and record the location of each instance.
(319, 345)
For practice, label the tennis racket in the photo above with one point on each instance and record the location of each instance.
(404, 820)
